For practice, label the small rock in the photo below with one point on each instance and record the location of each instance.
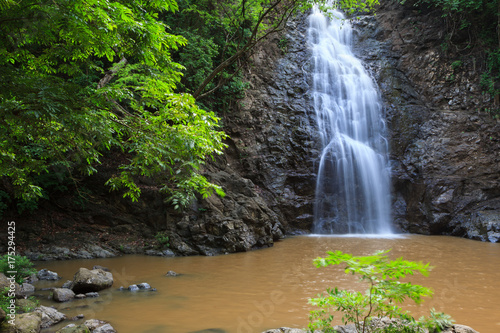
(28, 288)
(107, 328)
(133, 287)
(63, 294)
(72, 328)
(80, 296)
(50, 316)
(171, 273)
(68, 284)
(144, 285)
(45, 274)
(77, 317)
(101, 267)
(92, 324)
(92, 294)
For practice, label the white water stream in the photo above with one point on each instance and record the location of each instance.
(352, 190)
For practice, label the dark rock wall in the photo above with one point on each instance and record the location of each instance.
(445, 148)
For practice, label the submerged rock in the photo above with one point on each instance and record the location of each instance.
(133, 287)
(172, 273)
(86, 280)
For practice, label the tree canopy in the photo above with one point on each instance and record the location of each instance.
(82, 77)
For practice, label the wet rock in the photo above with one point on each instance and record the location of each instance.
(92, 294)
(485, 226)
(80, 296)
(77, 317)
(172, 273)
(24, 290)
(106, 328)
(144, 285)
(32, 279)
(62, 294)
(101, 267)
(133, 287)
(25, 305)
(285, 330)
(68, 284)
(24, 323)
(50, 316)
(91, 280)
(460, 329)
(92, 324)
(45, 274)
(72, 328)
(99, 326)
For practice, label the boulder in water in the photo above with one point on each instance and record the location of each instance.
(86, 280)
(45, 274)
(62, 294)
(49, 316)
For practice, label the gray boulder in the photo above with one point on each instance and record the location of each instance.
(86, 280)
(99, 326)
(49, 316)
(24, 323)
(63, 294)
(460, 329)
(106, 328)
(45, 274)
(92, 324)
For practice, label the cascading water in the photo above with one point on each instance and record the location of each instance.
(352, 190)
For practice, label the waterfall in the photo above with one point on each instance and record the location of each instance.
(352, 189)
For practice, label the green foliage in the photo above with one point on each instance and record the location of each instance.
(5, 299)
(437, 321)
(492, 73)
(385, 290)
(162, 239)
(76, 83)
(21, 265)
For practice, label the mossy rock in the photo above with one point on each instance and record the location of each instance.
(25, 305)
(72, 328)
(24, 323)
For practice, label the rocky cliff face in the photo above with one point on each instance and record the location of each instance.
(445, 146)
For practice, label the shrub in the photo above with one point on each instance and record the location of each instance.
(19, 264)
(385, 291)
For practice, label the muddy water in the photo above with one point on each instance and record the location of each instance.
(269, 288)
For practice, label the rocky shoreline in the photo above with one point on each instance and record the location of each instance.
(32, 318)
